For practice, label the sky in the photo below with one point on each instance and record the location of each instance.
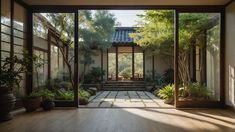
(127, 18)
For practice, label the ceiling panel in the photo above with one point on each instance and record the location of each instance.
(126, 2)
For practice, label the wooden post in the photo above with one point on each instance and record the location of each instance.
(101, 62)
(133, 63)
(29, 77)
(176, 48)
(76, 78)
(116, 63)
(144, 64)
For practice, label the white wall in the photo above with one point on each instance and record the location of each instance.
(230, 55)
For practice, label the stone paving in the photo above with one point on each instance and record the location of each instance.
(126, 99)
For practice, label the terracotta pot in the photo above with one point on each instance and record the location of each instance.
(7, 103)
(32, 104)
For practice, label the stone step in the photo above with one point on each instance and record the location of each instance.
(125, 82)
(124, 85)
(122, 89)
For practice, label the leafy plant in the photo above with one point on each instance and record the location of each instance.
(167, 92)
(94, 75)
(196, 90)
(65, 95)
(126, 73)
(84, 93)
(46, 94)
(12, 69)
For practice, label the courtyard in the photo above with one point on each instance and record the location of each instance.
(125, 99)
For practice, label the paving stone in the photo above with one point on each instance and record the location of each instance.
(121, 99)
(151, 105)
(106, 104)
(135, 100)
(109, 99)
(95, 104)
(148, 100)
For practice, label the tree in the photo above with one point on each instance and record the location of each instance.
(64, 32)
(156, 32)
(95, 32)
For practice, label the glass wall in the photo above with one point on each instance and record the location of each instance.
(199, 57)
(5, 29)
(13, 41)
(53, 42)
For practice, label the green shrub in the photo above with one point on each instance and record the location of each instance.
(197, 90)
(166, 92)
(65, 95)
(84, 93)
(46, 94)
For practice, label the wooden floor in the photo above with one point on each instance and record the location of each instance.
(122, 120)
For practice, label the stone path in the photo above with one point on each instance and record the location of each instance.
(125, 99)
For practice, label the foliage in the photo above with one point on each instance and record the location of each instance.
(195, 90)
(156, 32)
(95, 32)
(84, 93)
(168, 76)
(167, 91)
(126, 73)
(65, 95)
(160, 79)
(13, 68)
(94, 75)
(46, 94)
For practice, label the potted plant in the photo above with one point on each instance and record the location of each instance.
(11, 74)
(47, 99)
(167, 93)
(32, 102)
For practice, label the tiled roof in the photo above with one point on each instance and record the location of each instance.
(121, 35)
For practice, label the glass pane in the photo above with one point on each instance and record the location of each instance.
(59, 49)
(138, 64)
(111, 66)
(41, 73)
(199, 56)
(124, 66)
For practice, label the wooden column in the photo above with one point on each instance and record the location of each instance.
(133, 62)
(116, 63)
(204, 65)
(176, 52)
(101, 63)
(76, 77)
(49, 55)
(29, 47)
(107, 64)
(144, 64)
(153, 67)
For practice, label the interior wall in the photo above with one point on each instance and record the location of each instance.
(230, 55)
(162, 63)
